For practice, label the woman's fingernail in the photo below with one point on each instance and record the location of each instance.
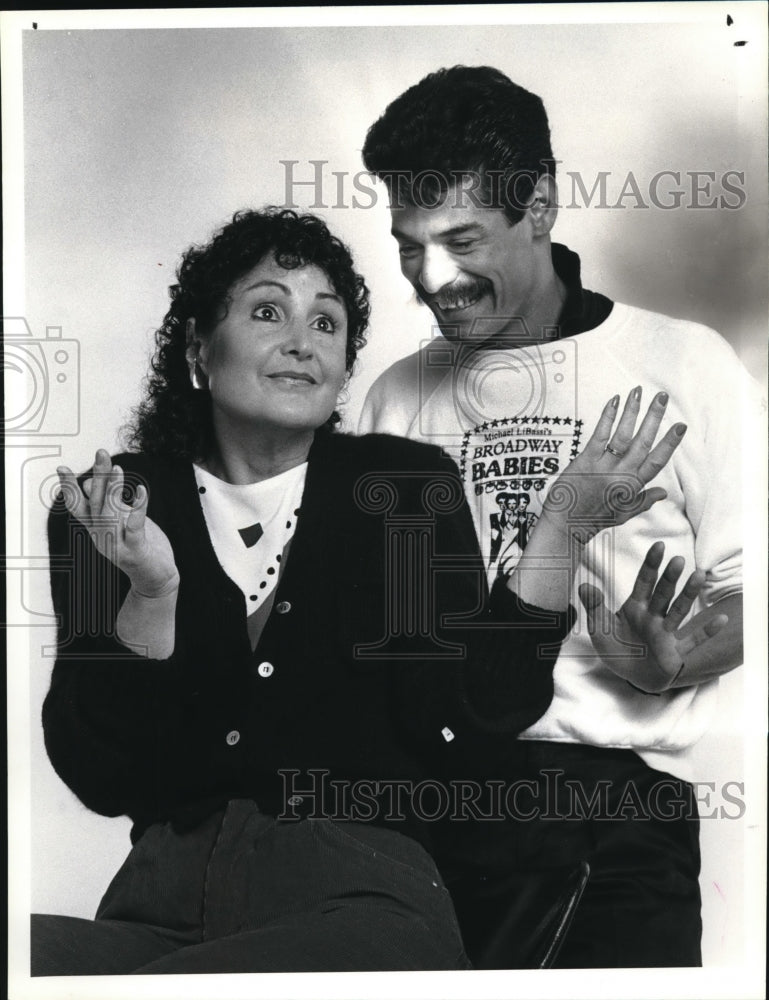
(680, 430)
(662, 397)
(614, 402)
(636, 394)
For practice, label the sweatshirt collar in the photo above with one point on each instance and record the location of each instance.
(582, 310)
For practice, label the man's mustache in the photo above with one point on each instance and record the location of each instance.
(450, 295)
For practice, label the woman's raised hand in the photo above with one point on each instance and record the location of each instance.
(605, 485)
(122, 533)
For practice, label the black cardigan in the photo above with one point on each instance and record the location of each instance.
(386, 662)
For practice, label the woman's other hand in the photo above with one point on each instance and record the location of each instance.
(642, 642)
(605, 485)
(121, 532)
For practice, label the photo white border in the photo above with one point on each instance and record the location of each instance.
(743, 982)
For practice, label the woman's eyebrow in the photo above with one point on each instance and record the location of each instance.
(287, 290)
(276, 284)
(330, 295)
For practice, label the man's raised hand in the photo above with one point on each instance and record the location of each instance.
(643, 642)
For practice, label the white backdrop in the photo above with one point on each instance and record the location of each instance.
(138, 142)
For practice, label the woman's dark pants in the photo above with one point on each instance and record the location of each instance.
(245, 892)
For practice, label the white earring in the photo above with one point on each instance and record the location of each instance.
(195, 375)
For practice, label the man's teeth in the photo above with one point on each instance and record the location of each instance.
(460, 303)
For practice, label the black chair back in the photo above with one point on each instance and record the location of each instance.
(519, 921)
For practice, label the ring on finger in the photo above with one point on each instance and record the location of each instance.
(613, 451)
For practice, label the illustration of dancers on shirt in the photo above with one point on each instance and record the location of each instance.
(510, 528)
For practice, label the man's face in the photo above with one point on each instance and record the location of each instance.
(478, 273)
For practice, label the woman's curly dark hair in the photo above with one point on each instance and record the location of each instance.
(174, 419)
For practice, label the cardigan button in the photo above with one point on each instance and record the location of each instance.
(232, 737)
(447, 734)
(265, 670)
(283, 607)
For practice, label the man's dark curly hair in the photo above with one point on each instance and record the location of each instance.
(469, 120)
(174, 419)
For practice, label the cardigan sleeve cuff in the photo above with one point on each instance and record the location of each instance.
(114, 688)
(506, 606)
(514, 687)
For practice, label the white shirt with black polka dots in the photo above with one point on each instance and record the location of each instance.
(250, 528)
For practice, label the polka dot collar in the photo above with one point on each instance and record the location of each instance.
(250, 527)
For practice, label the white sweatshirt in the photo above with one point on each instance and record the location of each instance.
(513, 419)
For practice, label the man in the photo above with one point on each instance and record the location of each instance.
(526, 360)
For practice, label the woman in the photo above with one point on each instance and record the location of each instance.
(268, 630)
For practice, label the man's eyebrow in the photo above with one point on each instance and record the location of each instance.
(458, 230)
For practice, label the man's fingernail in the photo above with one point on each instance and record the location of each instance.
(614, 402)
(662, 397)
(680, 430)
(636, 394)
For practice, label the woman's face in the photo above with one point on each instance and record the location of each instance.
(277, 359)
